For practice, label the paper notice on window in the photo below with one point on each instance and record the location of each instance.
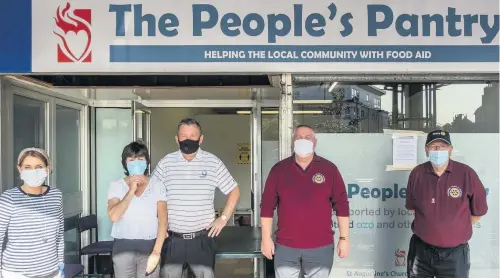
(404, 150)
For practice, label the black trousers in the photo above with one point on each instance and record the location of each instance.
(198, 255)
(427, 261)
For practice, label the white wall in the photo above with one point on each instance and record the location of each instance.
(164, 123)
(221, 136)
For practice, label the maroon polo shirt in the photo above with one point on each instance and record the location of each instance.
(444, 204)
(305, 199)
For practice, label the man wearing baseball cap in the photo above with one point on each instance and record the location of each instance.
(447, 198)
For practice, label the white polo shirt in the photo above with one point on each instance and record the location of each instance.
(140, 220)
(190, 189)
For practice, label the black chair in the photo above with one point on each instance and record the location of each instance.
(98, 247)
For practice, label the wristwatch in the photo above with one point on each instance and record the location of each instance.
(223, 217)
(343, 238)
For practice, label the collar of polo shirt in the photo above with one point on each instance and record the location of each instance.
(449, 168)
(316, 158)
(199, 154)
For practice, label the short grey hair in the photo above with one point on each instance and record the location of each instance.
(189, 122)
(303, 126)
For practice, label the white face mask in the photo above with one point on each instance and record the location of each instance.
(303, 147)
(34, 178)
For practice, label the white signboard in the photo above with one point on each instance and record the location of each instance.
(404, 150)
(380, 224)
(114, 36)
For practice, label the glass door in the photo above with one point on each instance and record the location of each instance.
(141, 118)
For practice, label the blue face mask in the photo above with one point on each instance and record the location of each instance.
(136, 167)
(438, 158)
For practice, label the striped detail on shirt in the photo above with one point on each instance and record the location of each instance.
(35, 228)
(190, 189)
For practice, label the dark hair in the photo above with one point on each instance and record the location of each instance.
(134, 150)
(189, 122)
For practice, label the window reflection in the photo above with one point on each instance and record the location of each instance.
(29, 127)
(469, 111)
(364, 108)
(70, 247)
(68, 149)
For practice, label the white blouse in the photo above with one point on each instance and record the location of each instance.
(140, 220)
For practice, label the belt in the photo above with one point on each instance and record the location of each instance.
(192, 235)
(437, 247)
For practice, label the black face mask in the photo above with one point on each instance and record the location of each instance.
(189, 146)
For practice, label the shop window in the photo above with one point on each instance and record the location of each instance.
(70, 240)
(29, 127)
(68, 149)
(113, 132)
(362, 149)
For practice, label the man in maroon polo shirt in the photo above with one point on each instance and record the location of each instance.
(305, 188)
(447, 198)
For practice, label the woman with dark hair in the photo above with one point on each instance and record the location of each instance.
(138, 211)
(32, 217)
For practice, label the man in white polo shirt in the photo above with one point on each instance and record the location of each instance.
(191, 176)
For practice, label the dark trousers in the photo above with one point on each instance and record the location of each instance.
(427, 261)
(197, 254)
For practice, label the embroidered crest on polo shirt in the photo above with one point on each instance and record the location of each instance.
(203, 174)
(454, 192)
(318, 178)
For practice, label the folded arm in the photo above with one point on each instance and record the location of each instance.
(117, 207)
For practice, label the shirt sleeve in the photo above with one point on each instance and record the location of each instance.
(340, 202)
(478, 204)
(60, 234)
(410, 198)
(115, 191)
(269, 200)
(159, 174)
(225, 180)
(5, 211)
(159, 190)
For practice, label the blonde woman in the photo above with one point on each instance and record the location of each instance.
(32, 216)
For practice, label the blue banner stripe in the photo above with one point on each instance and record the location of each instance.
(213, 53)
(15, 36)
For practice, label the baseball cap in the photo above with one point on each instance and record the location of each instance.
(438, 135)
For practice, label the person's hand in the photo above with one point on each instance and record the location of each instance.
(216, 227)
(141, 180)
(153, 261)
(61, 270)
(136, 181)
(267, 247)
(133, 182)
(343, 248)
